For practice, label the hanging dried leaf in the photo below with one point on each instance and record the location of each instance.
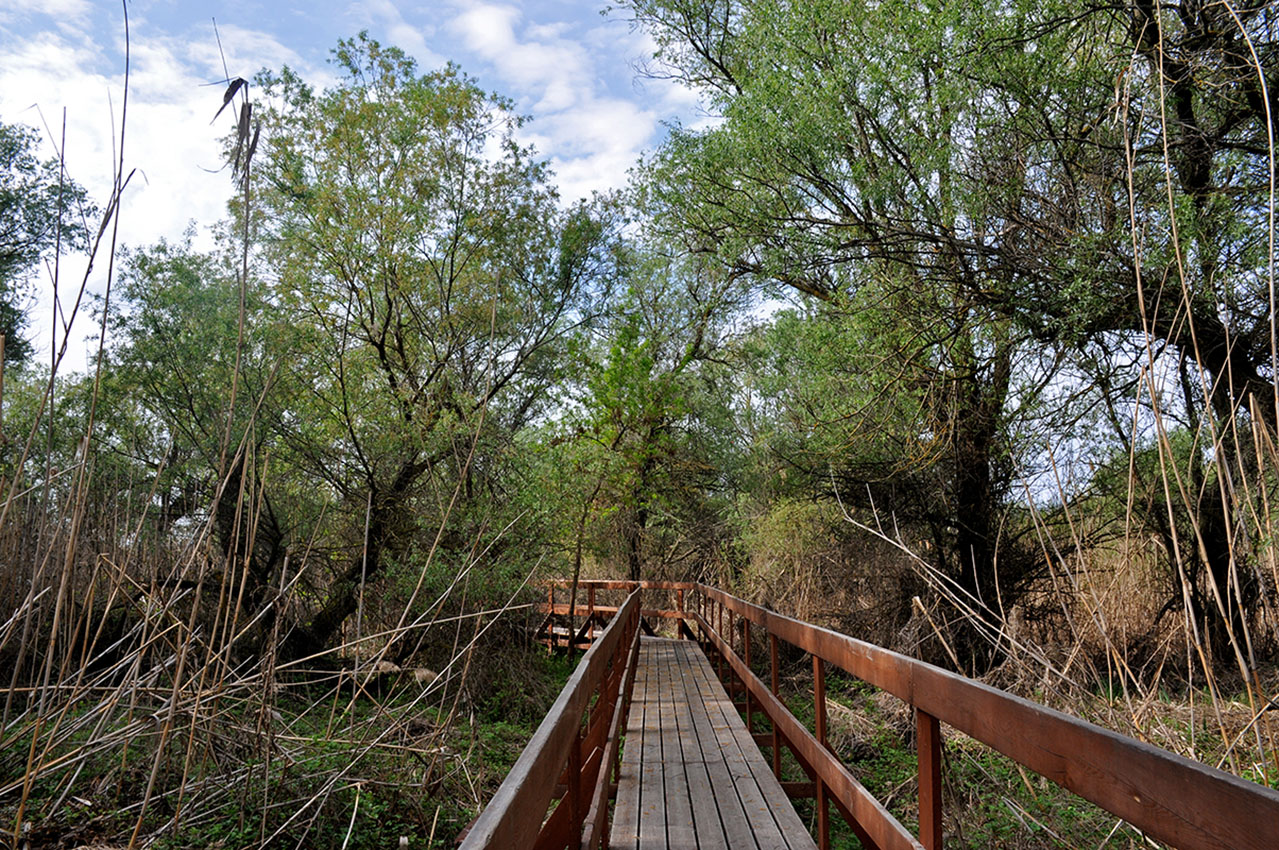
(241, 136)
(241, 168)
(253, 145)
(243, 129)
(236, 85)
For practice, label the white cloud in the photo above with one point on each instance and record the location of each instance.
(408, 37)
(66, 14)
(542, 60)
(605, 143)
(555, 74)
(572, 74)
(649, 83)
(175, 89)
(487, 29)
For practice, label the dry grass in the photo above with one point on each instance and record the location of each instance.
(145, 702)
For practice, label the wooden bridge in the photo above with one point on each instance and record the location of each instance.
(651, 744)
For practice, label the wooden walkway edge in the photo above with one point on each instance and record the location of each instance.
(691, 775)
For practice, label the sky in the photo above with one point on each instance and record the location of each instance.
(573, 70)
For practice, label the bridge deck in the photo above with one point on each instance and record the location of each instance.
(691, 775)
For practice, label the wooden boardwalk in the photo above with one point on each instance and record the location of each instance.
(691, 775)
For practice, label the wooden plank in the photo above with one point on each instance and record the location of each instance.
(596, 832)
(874, 823)
(624, 834)
(727, 803)
(652, 814)
(621, 584)
(928, 747)
(515, 814)
(691, 774)
(680, 831)
(773, 819)
(707, 825)
(607, 611)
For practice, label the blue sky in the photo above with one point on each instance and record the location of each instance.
(567, 66)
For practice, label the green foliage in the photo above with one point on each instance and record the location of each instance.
(431, 380)
(856, 163)
(41, 210)
(429, 286)
(648, 424)
(976, 173)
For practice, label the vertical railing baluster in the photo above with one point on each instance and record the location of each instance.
(928, 745)
(550, 618)
(819, 709)
(777, 750)
(590, 612)
(576, 815)
(746, 656)
(719, 630)
(731, 684)
(572, 620)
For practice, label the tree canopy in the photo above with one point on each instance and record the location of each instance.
(42, 211)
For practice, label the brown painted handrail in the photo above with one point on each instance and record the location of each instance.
(595, 613)
(1170, 798)
(622, 584)
(875, 825)
(562, 753)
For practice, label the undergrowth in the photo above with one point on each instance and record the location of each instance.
(319, 769)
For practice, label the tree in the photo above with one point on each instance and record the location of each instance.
(1200, 123)
(429, 284)
(1016, 161)
(649, 421)
(848, 166)
(41, 210)
(175, 331)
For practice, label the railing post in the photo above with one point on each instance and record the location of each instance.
(777, 752)
(928, 745)
(572, 620)
(550, 618)
(719, 630)
(731, 684)
(576, 814)
(746, 656)
(701, 612)
(819, 709)
(590, 612)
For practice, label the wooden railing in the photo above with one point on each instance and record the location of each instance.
(572, 757)
(1169, 798)
(561, 628)
(1180, 802)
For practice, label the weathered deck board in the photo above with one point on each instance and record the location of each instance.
(691, 776)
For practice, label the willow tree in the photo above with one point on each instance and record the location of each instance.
(852, 163)
(430, 280)
(42, 211)
(1182, 153)
(1070, 178)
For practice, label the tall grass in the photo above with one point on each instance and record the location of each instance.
(136, 711)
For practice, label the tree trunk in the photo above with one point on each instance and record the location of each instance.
(386, 510)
